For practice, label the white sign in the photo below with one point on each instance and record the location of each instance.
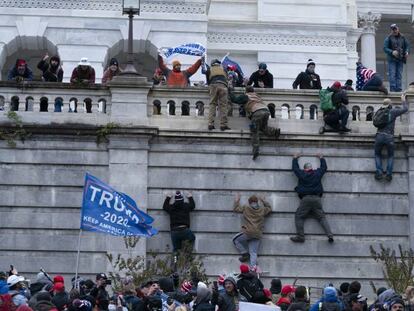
(248, 306)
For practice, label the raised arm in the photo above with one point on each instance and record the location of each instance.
(191, 202)
(193, 69)
(295, 166)
(166, 206)
(323, 166)
(236, 206)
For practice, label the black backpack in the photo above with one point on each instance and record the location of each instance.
(249, 287)
(382, 117)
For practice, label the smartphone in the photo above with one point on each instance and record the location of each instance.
(215, 285)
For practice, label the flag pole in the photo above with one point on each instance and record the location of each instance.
(77, 260)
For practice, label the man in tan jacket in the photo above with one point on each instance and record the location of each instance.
(247, 242)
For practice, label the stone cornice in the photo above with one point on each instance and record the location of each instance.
(274, 39)
(176, 7)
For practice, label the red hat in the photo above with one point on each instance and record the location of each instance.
(336, 85)
(186, 286)
(244, 268)
(58, 279)
(221, 279)
(267, 293)
(287, 289)
(21, 62)
(59, 287)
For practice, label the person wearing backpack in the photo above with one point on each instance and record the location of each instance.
(249, 284)
(336, 115)
(384, 120)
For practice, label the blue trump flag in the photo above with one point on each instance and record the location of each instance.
(226, 61)
(108, 211)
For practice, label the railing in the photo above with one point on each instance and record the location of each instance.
(54, 97)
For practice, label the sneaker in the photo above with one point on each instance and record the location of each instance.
(378, 176)
(277, 133)
(330, 239)
(388, 177)
(211, 127)
(297, 239)
(223, 128)
(244, 257)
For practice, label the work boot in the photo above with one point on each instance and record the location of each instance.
(225, 127)
(344, 129)
(378, 176)
(383, 89)
(297, 239)
(388, 177)
(244, 257)
(330, 239)
(211, 127)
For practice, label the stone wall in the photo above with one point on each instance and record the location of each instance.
(147, 156)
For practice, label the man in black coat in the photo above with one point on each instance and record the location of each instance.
(338, 118)
(308, 79)
(179, 213)
(261, 78)
(310, 191)
(52, 71)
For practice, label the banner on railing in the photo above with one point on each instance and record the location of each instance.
(247, 306)
(193, 49)
(108, 211)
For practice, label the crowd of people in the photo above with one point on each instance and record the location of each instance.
(171, 293)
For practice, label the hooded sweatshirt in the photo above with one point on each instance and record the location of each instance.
(51, 73)
(179, 212)
(328, 302)
(228, 301)
(253, 218)
(202, 302)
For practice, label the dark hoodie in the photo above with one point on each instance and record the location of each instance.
(249, 285)
(179, 212)
(202, 302)
(309, 182)
(307, 80)
(51, 73)
(228, 301)
(13, 73)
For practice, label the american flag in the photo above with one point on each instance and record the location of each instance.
(363, 75)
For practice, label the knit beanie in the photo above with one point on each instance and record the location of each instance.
(113, 61)
(336, 85)
(276, 286)
(176, 62)
(178, 196)
(395, 301)
(310, 62)
(262, 66)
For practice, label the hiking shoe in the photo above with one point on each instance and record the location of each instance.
(244, 257)
(211, 127)
(223, 128)
(297, 239)
(378, 176)
(277, 133)
(383, 89)
(344, 129)
(255, 155)
(388, 177)
(330, 239)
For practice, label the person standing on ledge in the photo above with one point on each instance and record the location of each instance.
(261, 78)
(310, 191)
(179, 212)
(176, 77)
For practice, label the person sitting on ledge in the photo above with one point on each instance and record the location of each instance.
(20, 72)
(308, 79)
(176, 77)
(369, 80)
(111, 71)
(83, 74)
(338, 118)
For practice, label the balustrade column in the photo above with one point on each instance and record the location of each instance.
(368, 22)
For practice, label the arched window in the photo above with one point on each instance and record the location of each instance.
(58, 104)
(370, 113)
(2, 103)
(171, 107)
(299, 112)
(185, 108)
(156, 107)
(272, 110)
(285, 111)
(14, 103)
(44, 103)
(356, 113)
(88, 105)
(199, 108)
(29, 103)
(313, 112)
(102, 105)
(73, 104)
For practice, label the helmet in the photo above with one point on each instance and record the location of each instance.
(14, 279)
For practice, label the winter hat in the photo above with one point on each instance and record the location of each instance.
(58, 279)
(262, 66)
(203, 293)
(387, 102)
(4, 288)
(381, 290)
(186, 286)
(55, 58)
(215, 62)
(42, 278)
(178, 196)
(395, 301)
(287, 289)
(267, 293)
(386, 296)
(336, 85)
(82, 305)
(101, 276)
(349, 82)
(44, 296)
(253, 198)
(344, 287)
(329, 292)
(393, 26)
(275, 286)
(310, 62)
(21, 62)
(244, 268)
(201, 284)
(59, 287)
(113, 61)
(176, 62)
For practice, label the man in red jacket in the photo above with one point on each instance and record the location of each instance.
(176, 77)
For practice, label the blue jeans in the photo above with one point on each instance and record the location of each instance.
(382, 140)
(245, 244)
(179, 236)
(395, 70)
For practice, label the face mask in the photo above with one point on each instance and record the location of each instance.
(254, 205)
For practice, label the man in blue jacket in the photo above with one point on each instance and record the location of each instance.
(310, 191)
